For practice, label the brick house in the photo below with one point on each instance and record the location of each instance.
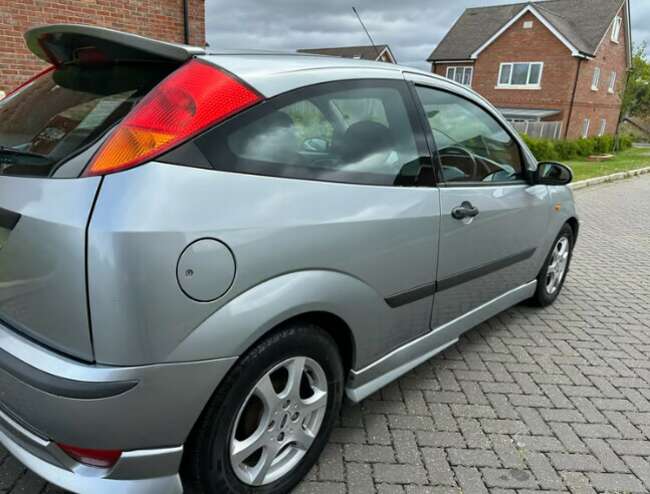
(555, 68)
(162, 19)
(379, 53)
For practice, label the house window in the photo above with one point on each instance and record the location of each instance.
(612, 82)
(596, 79)
(585, 128)
(462, 75)
(616, 29)
(603, 127)
(525, 75)
(528, 25)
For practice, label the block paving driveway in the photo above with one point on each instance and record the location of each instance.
(553, 400)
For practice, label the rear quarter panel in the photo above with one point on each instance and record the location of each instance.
(299, 246)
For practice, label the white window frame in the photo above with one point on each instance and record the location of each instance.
(595, 80)
(612, 82)
(603, 127)
(585, 127)
(509, 85)
(528, 24)
(616, 28)
(464, 68)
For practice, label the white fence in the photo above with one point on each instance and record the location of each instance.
(544, 130)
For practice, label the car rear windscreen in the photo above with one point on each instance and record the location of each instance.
(65, 110)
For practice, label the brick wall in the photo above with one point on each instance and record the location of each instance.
(539, 44)
(600, 104)
(161, 19)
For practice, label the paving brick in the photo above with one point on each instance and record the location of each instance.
(438, 467)
(399, 474)
(616, 482)
(575, 462)
(473, 457)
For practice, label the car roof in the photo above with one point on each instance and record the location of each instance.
(272, 73)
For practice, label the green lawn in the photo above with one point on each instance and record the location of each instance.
(626, 160)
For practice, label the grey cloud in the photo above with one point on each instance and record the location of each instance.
(411, 27)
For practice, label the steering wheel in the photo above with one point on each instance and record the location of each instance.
(470, 155)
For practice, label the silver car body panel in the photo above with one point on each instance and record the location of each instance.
(42, 252)
(388, 262)
(120, 420)
(300, 246)
(364, 382)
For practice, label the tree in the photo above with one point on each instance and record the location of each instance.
(636, 98)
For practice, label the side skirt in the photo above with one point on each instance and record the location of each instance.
(364, 382)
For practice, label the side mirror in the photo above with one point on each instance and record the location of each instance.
(551, 173)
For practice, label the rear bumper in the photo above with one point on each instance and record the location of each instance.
(146, 411)
(46, 460)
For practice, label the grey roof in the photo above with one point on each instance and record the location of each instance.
(582, 22)
(368, 52)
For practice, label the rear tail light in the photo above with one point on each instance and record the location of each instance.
(100, 458)
(187, 102)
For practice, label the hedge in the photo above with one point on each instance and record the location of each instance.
(553, 150)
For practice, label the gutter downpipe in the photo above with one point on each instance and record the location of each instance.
(186, 21)
(573, 98)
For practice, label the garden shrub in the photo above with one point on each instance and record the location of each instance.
(553, 150)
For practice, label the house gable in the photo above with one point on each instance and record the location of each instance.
(529, 10)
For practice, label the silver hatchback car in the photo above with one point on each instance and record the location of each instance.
(203, 253)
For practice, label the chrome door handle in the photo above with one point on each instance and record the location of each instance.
(465, 210)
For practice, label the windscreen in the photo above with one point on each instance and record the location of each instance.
(65, 110)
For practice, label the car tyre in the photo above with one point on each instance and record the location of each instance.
(551, 278)
(244, 408)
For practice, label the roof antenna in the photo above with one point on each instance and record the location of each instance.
(372, 42)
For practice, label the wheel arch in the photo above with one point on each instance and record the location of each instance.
(575, 226)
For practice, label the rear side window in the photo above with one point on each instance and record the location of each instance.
(355, 132)
(66, 109)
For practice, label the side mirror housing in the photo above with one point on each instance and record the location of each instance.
(551, 173)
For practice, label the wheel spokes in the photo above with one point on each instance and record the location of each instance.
(296, 368)
(242, 450)
(266, 392)
(315, 402)
(264, 465)
(285, 423)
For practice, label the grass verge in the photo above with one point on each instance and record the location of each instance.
(624, 161)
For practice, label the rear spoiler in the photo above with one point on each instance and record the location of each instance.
(64, 43)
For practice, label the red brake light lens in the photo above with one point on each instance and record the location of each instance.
(100, 458)
(187, 102)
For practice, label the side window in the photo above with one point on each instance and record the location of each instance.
(472, 145)
(355, 132)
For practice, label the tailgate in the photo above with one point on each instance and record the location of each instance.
(97, 76)
(42, 260)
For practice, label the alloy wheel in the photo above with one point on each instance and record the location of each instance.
(278, 421)
(557, 266)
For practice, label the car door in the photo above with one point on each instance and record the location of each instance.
(492, 218)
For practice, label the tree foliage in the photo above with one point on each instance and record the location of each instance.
(636, 98)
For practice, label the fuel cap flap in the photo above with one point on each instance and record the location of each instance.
(206, 270)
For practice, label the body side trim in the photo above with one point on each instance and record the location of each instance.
(485, 269)
(412, 295)
(60, 386)
(430, 289)
(362, 383)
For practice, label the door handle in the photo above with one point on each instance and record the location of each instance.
(465, 210)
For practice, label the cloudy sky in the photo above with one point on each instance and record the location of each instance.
(412, 28)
